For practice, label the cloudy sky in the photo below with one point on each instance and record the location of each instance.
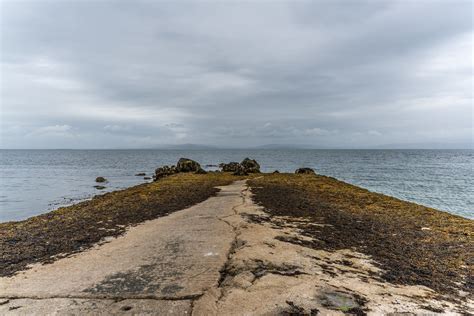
(138, 74)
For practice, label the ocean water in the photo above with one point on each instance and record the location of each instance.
(36, 181)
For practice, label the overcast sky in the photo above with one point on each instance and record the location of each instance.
(137, 74)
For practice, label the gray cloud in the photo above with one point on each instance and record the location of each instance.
(81, 74)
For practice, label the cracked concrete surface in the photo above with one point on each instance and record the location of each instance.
(214, 258)
(177, 257)
(266, 275)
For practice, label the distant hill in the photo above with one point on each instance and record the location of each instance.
(188, 147)
(427, 146)
(303, 146)
(281, 146)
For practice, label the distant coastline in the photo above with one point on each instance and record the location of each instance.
(192, 146)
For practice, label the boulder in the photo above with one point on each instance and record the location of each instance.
(146, 178)
(99, 187)
(164, 171)
(100, 179)
(276, 171)
(201, 171)
(140, 174)
(305, 171)
(250, 165)
(240, 171)
(187, 165)
(229, 167)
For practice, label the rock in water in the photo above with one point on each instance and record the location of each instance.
(140, 174)
(229, 167)
(99, 187)
(250, 165)
(305, 171)
(187, 165)
(276, 171)
(164, 171)
(100, 179)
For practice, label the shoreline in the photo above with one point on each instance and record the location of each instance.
(410, 245)
(440, 181)
(74, 201)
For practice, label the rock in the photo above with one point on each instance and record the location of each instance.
(146, 178)
(100, 179)
(140, 174)
(99, 187)
(229, 167)
(339, 301)
(201, 171)
(250, 165)
(187, 165)
(240, 171)
(164, 171)
(276, 171)
(305, 171)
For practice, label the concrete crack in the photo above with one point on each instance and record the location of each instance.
(234, 245)
(111, 297)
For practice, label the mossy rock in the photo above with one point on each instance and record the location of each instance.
(241, 171)
(164, 171)
(201, 171)
(229, 167)
(187, 165)
(100, 180)
(250, 165)
(305, 171)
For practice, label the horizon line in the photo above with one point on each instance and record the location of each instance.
(247, 148)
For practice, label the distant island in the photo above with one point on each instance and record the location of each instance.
(190, 146)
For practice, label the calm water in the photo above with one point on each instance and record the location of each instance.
(35, 181)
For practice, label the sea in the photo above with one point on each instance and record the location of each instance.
(37, 181)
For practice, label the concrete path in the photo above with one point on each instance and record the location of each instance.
(158, 266)
(224, 256)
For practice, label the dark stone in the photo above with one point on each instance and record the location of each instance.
(240, 171)
(99, 187)
(141, 174)
(276, 171)
(164, 171)
(229, 167)
(201, 171)
(187, 165)
(100, 179)
(146, 178)
(305, 171)
(250, 165)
